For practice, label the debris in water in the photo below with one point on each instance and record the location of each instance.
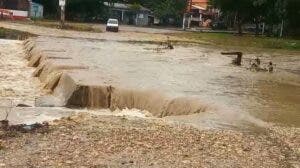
(237, 60)
(165, 45)
(7, 130)
(270, 67)
(255, 65)
(23, 105)
(169, 44)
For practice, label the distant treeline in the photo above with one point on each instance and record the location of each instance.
(235, 13)
(94, 10)
(279, 16)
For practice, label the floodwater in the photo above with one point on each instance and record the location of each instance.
(16, 83)
(236, 94)
(17, 86)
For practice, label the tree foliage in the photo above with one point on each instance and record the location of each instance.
(271, 12)
(94, 9)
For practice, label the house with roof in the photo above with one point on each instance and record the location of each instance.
(20, 9)
(131, 14)
(200, 13)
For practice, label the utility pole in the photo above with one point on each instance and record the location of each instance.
(263, 29)
(281, 28)
(185, 13)
(62, 4)
(29, 9)
(183, 22)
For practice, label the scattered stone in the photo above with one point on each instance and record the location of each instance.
(84, 140)
(22, 105)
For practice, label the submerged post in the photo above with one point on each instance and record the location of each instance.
(238, 60)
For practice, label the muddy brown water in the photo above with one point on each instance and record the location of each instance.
(14, 34)
(235, 93)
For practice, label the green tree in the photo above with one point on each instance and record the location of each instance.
(50, 8)
(84, 10)
(292, 17)
(242, 10)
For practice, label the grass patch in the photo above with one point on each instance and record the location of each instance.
(68, 25)
(226, 39)
(14, 34)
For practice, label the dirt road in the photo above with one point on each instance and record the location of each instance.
(146, 35)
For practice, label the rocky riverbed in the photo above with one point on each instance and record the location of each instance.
(86, 140)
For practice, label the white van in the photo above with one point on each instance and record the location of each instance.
(112, 25)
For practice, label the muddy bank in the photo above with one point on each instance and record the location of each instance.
(91, 141)
(14, 34)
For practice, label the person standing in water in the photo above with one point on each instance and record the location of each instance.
(270, 67)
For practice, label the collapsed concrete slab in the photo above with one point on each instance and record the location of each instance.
(28, 115)
(46, 69)
(83, 89)
(35, 61)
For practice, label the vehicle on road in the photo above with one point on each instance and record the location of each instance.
(219, 25)
(112, 25)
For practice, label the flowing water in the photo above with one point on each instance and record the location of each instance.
(16, 82)
(236, 93)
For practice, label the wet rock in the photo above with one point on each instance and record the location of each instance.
(247, 149)
(4, 124)
(1, 145)
(23, 105)
(237, 60)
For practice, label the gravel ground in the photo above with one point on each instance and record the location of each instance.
(105, 141)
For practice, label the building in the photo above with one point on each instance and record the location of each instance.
(130, 14)
(21, 9)
(199, 13)
(37, 10)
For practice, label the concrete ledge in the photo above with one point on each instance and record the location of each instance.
(77, 89)
(45, 69)
(76, 86)
(151, 101)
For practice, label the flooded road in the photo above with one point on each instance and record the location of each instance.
(17, 86)
(235, 93)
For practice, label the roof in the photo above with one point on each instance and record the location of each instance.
(34, 3)
(199, 1)
(200, 4)
(125, 6)
(198, 7)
